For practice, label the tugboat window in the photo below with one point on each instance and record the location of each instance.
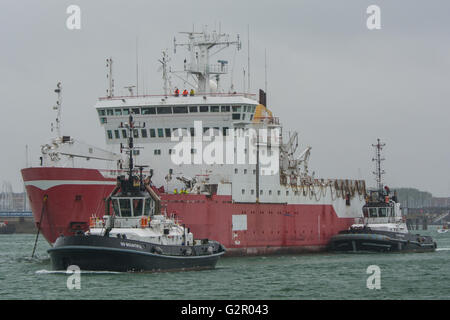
(147, 207)
(366, 213)
(391, 212)
(125, 207)
(373, 212)
(382, 212)
(137, 207)
(115, 204)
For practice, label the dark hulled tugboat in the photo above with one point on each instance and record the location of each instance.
(136, 235)
(382, 227)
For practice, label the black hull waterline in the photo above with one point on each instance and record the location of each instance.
(381, 242)
(96, 253)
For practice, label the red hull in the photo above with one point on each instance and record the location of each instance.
(74, 195)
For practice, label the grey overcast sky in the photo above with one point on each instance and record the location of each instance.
(339, 84)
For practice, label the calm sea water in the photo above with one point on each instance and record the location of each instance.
(314, 276)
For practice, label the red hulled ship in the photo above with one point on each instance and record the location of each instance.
(218, 160)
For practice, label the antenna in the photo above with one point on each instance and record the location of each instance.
(248, 57)
(243, 82)
(137, 68)
(265, 71)
(378, 171)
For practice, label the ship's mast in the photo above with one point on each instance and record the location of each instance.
(164, 61)
(199, 45)
(109, 66)
(57, 107)
(378, 171)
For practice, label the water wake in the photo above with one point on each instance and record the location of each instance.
(44, 271)
(442, 249)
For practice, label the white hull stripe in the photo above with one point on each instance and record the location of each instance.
(47, 184)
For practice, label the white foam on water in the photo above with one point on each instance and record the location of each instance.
(442, 249)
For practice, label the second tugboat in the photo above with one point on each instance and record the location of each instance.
(382, 228)
(137, 236)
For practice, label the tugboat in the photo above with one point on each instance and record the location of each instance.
(136, 236)
(6, 228)
(444, 228)
(382, 227)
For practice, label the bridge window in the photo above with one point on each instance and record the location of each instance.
(164, 110)
(182, 109)
(151, 110)
(236, 108)
(144, 133)
(116, 134)
(152, 133)
(135, 133)
(157, 152)
(204, 108)
(136, 110)
(125, 112)
(225, 108)
(124, 133)
(101, 112)
(193, 109)
(160, 133)
(214, 108)
(236, 116)
(103, 120)
(118, 112)
(168, 133)
(110, 136)
(109, 112)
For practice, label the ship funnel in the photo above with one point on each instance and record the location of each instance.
(262, 97)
